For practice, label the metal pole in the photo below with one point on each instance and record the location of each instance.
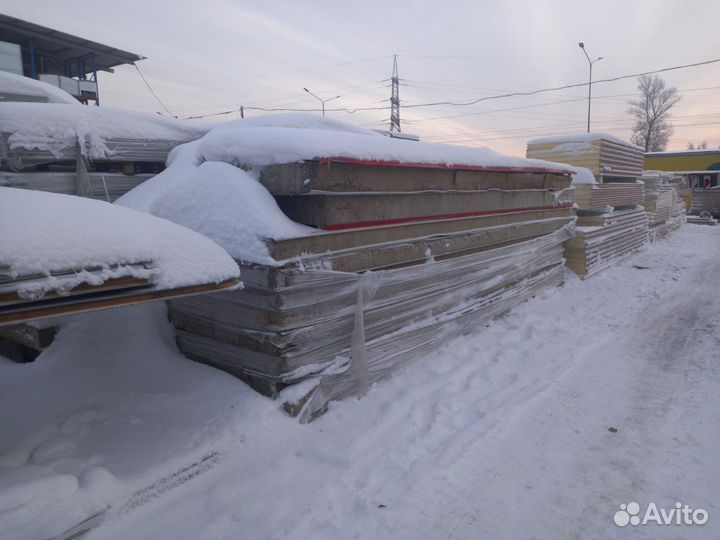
(95, 78)
(589, 97)
(33, 67)
(591, 62)
(320, 99)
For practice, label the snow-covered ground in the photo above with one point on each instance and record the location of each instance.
(503, 433)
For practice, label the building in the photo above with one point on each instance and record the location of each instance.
(702, 167)
(63, 60)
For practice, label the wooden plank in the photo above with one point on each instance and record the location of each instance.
(51, 308)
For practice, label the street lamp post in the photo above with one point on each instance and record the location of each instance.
(591, 62)
(323, 101)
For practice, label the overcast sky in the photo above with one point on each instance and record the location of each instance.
(212, 56)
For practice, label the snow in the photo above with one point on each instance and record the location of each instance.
(232, 208)
(119, 409)
(52, 127)
(580, 138)
(11, 83)
(269, 142)
(573, 147)
(48, 232)
(297, 121)
(220, 201)
(503, 433)
(583, 176)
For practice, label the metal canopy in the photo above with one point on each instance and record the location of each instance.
(60, 47)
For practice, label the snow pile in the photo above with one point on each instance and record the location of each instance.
(580, 138)
(114, 408)
(52, 127)
(11, 83)
(47, 232)
(583, 176)
(232, 208)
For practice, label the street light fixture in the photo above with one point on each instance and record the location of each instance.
(591, 62)
(323, 101)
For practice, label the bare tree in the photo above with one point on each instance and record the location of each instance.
(652, 130)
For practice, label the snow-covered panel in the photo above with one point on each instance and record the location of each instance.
(10, 83)
(47, 232)
(47, 126)
(231, 207)
(583, 175)
(260, 146)
(580, 138)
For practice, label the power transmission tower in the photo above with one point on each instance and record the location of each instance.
(395, 99)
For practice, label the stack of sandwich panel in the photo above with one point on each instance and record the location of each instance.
(408, 256)
(106, 186)
(706, 200)
(682, 186)
(604, 238)
(703, 219)
(608, 157)
(91, 151)
(612, 223)
(664, 202)
(600, 196)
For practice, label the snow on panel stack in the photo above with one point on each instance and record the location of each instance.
(610, 158)
(396, 245)
(97, 152)
(62, 254)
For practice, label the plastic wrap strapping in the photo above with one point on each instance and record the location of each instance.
(366, 288)
(315, 314)
(386, 356)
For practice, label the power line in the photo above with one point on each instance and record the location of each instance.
(474, 101)
(486, 57)
(253, 101)
(564, 87)
(152, 91)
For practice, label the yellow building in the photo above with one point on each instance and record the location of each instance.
(702, 167)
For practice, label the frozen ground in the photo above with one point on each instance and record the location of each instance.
(504, 433)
